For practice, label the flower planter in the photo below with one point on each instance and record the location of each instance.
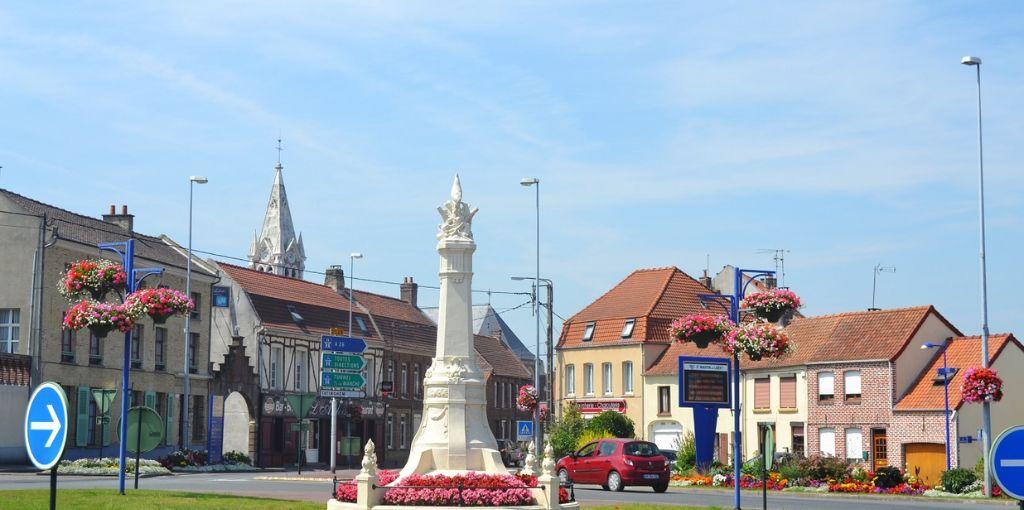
(705, 338)
(772, 304)
(101, 330)
(758, 340)
(158, 304)
(159, 319)
(93, 277)
(701, 329)
(981, 385)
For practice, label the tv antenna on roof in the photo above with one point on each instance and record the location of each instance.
(879, 268)
(779, 256)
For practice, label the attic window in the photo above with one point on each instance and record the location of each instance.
(362, 325)
(295, 315)
(627, 329)
(938, 380)
(588, 332)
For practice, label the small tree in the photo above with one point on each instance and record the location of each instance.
(616, 424)
(566, 431)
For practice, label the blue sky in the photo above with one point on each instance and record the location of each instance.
(663, 133)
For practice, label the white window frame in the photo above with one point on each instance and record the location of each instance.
(627, 377)
(606, 379)
(10, 329)
(588, 379)
(301, 357)
(416, 381)
(858, 444)
(390, 431)
(588, 331)
(627, 329)
(827, 448)
(831, 378)
(405, 380)
(276, 364)
(403, 433)
(570, 380)
(852, 379)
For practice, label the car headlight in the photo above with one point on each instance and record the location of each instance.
(627, 462)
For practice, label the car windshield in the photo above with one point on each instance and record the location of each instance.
(640, 449)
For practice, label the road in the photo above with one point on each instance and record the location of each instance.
(264, 485)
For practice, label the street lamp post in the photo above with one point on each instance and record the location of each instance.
(192, 181)
(334, 401)
(986, 410)
(945, 386)
(538, 434)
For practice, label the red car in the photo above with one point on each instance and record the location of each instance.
(616, 463)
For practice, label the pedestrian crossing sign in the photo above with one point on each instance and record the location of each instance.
(524, 430)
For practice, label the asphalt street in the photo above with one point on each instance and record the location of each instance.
(285, 485)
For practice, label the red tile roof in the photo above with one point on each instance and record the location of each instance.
(668, 362)
(961, 353)
(505, 363)
(653, 297)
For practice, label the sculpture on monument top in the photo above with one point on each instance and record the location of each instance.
(456, 216)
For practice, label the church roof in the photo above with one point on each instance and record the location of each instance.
(277, 237)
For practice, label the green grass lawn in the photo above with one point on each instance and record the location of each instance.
(106, 499)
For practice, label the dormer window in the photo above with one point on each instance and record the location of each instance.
(588, 332)
(939, 380)
(627, 329)
(295, 315)
(362, 325)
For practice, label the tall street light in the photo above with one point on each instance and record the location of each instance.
(945, 386)
(537, 432)
(192, 181)
(549, 389)
(986, 409)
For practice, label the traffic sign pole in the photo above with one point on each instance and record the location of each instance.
(46, 431)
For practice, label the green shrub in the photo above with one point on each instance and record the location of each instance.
(566, 431)
(859, 474)
(591, 435)
(753, 467)
(235, 458)
(957, 480)
(888, 477)
(686, 457)
(791, 471)
(824, 468)
(616, 424)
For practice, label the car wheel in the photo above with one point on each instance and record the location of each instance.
(615, 482)
(661, 487)
(563, 476)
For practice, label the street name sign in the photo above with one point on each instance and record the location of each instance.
(524, 430)
(46, 425)
(1008, 461)
(342, 362)
(342, 380)
(342, 344)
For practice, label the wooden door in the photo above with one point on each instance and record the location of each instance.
(879, 449)
(926, 461)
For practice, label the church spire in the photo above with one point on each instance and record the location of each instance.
(277, 249)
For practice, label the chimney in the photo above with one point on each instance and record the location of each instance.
(705, 280)
(123, 220)
(409, 290)
(334, 278)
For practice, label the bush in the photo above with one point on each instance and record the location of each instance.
(888, 477)
(616, 424)
(686, 458)
(791, 471)
(184, 458)
(824, 468)
(859, 474)
(958, 480)
(236, 458)
(591, 435)
(566, 431)
(753, 467)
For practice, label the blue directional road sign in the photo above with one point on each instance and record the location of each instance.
(524, 430)
(1008, 461)
(342, 344)
(46, 425)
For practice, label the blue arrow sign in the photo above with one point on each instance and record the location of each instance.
(46, 425)
(1008, 461)
(342, 344)
(524, 430)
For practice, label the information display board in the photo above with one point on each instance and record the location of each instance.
(704, 381)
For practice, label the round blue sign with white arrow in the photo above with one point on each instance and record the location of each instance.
(1008, 461)
(46, 425)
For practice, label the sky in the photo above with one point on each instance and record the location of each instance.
(663, 133)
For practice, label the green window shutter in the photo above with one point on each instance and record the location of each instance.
(82, 420)
(169, 427)
(150, 400)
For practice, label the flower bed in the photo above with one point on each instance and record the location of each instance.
(472, 489)
(107, 466)
(865, 482)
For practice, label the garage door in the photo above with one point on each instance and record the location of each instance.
(666, 435)
(926, 461)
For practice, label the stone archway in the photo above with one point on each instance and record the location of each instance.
(236, 424)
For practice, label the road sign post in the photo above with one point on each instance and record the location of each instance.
(1007, 460)
(704, 386)
(46, 431)
(341, 361)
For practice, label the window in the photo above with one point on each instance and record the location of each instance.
(627, 328)
(161, 408)
(588, 378)
(664, 400)
(511, 399)
(193, 350)
(301, 358)
(827, 442)
(826, 386)
(627, 377)
(10, 329)
(391, 374)
(67, 346)
(137, 346)
(606, 378)
(503, 429)
(787, 392)
(160, 348)
(854, 448)
(570, 379)
(762, 393)
(389, 431)
(606, 449)
(588, 331)
(416, 381)
(197, 301)
(405, 382)
(95, 350)
(361, 324)
(402, 433)
(851, 386)
(198, 418)
(497, 394)
(798, 439)
(276, 363)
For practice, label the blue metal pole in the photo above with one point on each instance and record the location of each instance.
(945, 385)
(129, 268)
(737, 450)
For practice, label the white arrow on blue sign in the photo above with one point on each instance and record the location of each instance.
(1008, 461)
(46, 425)
(342, 344)
(524, 430)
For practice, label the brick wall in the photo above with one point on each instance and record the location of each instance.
(920, 427)
(873, 411)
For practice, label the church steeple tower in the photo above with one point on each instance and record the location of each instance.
(276, 249)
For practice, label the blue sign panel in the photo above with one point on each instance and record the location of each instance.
(966, 439)
(1008, 461)
(220, 296)
(342, 344)
(46, 425)
(524, 430)
(215, 440)
(704, 382)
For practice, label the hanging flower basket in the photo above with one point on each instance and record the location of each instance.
(95, 277)
(701, 329)
(527, 399)
(100, 318)
(158, 304)
(980, 385)
(772, 304)
(757, 340)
